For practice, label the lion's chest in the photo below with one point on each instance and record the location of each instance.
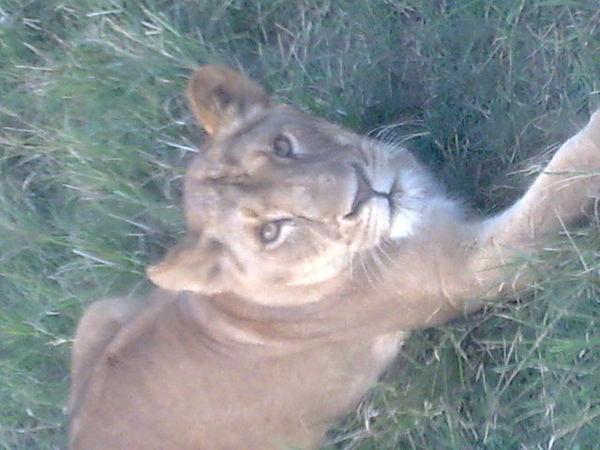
(172, 394)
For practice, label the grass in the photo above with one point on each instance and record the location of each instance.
(94, 138)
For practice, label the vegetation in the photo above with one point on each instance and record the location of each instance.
(94, 138)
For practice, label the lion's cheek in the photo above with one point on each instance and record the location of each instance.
(307, 258)
(324, 265)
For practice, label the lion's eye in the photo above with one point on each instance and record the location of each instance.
(270, 232)
(282, 146)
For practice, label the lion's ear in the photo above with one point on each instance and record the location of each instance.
(218, 95)
(191, 265)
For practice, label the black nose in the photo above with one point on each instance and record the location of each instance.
(363, 193)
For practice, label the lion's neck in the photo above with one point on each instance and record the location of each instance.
(404, 284)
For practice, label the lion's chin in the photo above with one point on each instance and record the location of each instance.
(404, 223)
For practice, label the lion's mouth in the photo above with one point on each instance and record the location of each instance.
(364, 192)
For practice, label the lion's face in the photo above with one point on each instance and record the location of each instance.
(279, 199)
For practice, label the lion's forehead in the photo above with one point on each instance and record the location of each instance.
(249, 204)
(314, 136)
(267, 188)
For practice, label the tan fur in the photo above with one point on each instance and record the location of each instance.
(310, 254)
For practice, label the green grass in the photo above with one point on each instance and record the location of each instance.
(94, 138)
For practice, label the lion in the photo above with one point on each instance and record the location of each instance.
(311, 253)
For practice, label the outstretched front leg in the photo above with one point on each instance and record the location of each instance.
(561, 195)
(456, 265)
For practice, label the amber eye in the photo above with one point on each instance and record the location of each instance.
(270, 232)
(282, 146)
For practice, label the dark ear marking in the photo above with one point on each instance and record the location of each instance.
(222, 97)
(214, 272)
(218, 95)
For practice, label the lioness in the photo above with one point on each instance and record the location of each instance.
(310, 253)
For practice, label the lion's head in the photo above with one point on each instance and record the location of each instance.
(278, 201)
